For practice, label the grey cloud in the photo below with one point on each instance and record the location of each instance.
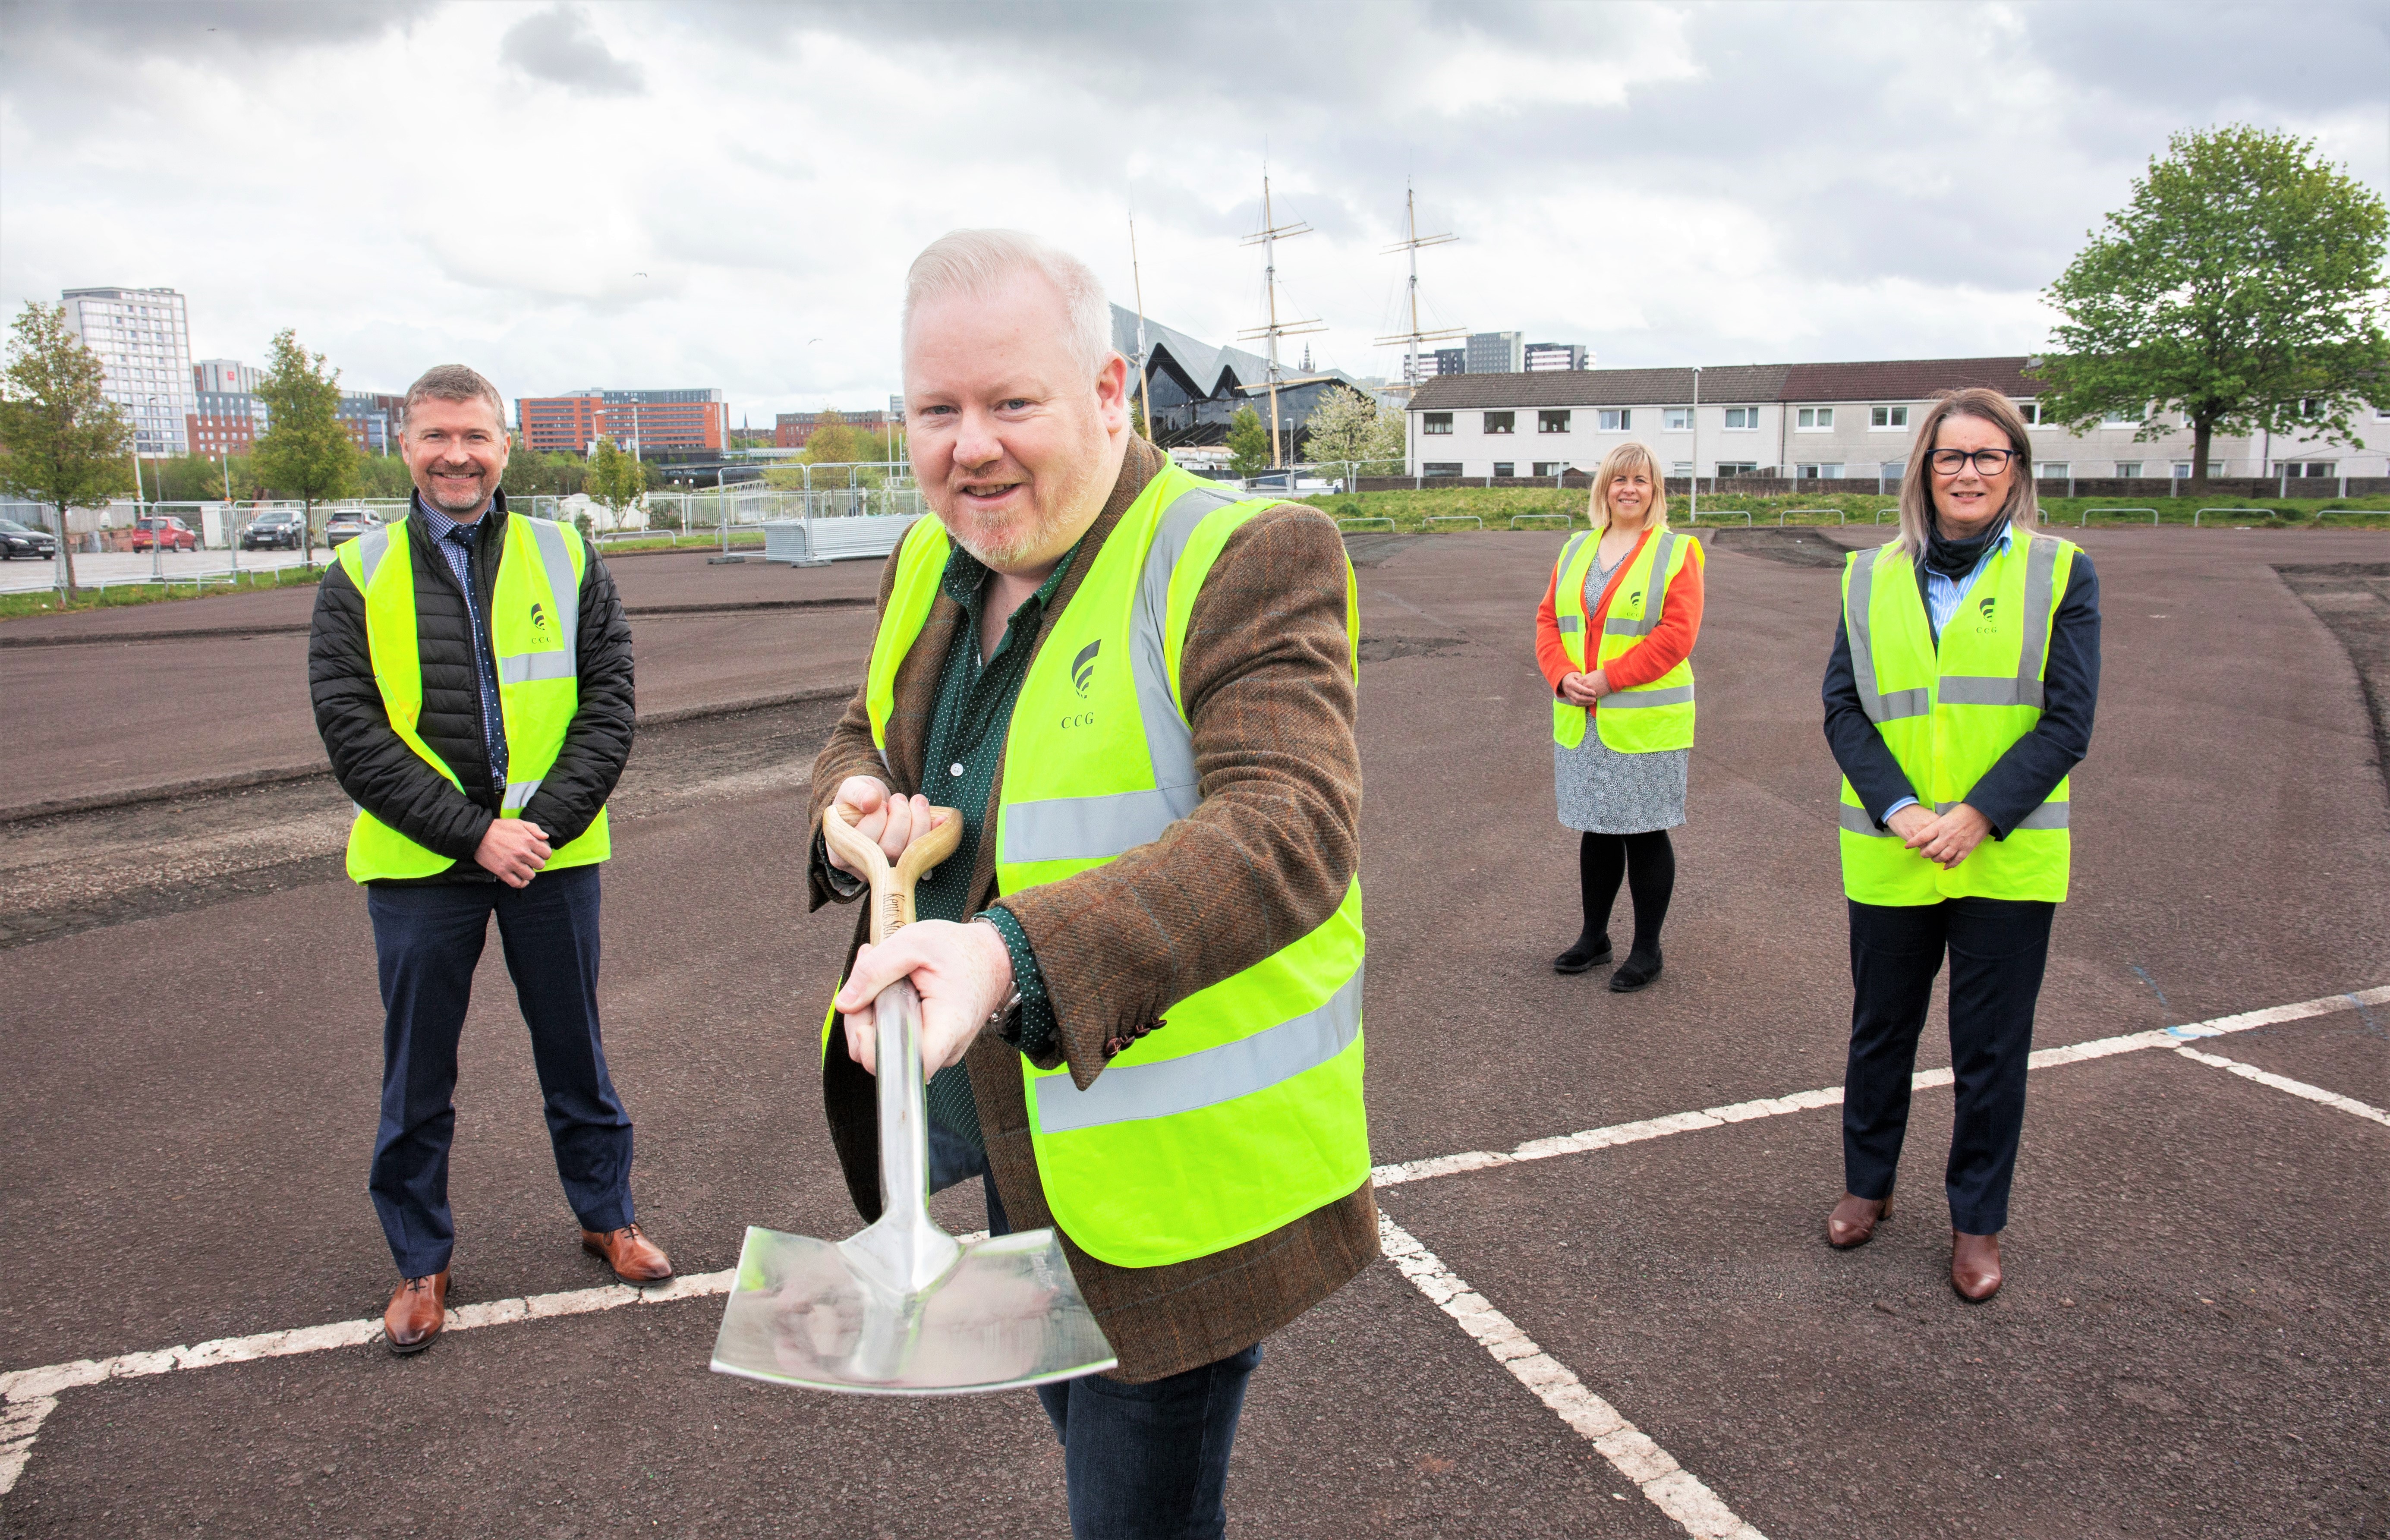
(221, 31)
(561, 47)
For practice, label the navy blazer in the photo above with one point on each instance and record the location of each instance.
(2025, 776)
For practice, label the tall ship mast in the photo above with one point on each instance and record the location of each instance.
(1409, 341)
(1274, 328)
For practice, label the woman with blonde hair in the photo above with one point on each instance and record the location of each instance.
(1613, 635)
(1960, 695)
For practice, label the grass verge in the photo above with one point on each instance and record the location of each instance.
(1497, 507)
(45, 601)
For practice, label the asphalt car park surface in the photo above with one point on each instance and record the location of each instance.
(2195, 1339)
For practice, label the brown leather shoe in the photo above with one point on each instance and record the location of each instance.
(416, 1314)
(1974, 1265)
(1854, 1221)
(635, 1258)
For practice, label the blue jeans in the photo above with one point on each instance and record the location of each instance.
(429, 940)
(1140, 1462)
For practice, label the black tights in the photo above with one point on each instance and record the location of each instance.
(1649, 863)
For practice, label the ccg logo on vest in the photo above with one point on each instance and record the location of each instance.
(1083, 673)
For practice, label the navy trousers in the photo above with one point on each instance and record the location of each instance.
(429, 940)
(1998, 950)
(1139, 1462)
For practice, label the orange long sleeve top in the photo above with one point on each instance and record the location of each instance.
(1670, 642)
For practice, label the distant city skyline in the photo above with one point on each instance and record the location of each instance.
(1661, 184)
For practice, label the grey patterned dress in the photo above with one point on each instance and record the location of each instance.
(1603, 791)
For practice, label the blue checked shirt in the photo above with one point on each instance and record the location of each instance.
(455, 543)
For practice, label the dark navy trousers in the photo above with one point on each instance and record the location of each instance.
(429, 940)
(1998, 950)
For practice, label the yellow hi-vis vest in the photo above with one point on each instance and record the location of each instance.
(1245, 1112)
(1949, 711)
(1650, 717)
(534, 623)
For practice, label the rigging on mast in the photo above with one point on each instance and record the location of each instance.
(1409, 341)
(1267, 239)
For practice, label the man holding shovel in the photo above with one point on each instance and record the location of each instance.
(1140, 972)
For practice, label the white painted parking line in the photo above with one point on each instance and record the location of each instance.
(2284, 1082)
(27, 1395)
(1832, 1095)
(1671, 1488)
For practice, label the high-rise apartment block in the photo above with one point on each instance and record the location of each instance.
(224, 422)
(1448, 361)
(142, 340)
(225, 376)
(371, 417)
(1496, 352)
(1558, 356)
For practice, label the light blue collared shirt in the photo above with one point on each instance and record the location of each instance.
(1943, 595)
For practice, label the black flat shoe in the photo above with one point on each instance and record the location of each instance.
(1584, 958)
(1635, 973)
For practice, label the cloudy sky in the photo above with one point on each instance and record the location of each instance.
(726, 193)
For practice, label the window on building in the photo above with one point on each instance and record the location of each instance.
(1551, 422)
(1814, 419)
(1675, 420)
(1738, 467)
(1502, 422)
(2309, 469)
(1505, 468)
(2310, 408)
(1892, 471)
(2128, 470)
(2052, 470)
(2030, 410)
(1680, 467)
(2182, 469)
(1821, 472)
(1742, 418)
(1435, 422)
(1550, 467)
(1440, 467)
(1887, 416)
(1616, 420)
(2124, 417)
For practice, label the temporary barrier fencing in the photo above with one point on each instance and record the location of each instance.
(2261, 513)
(1435, 518)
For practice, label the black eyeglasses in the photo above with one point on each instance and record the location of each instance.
(1988, 462)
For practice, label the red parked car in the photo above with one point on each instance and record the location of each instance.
(172, 533)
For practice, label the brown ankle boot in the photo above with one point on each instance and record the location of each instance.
(1974, 1265)
(1854, 1221)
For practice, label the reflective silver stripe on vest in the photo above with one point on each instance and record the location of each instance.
(1629, 699)
(1206, 1078)
(1656, 594)
(372, 546)
(1095, 828)
(1858, 820)
(1979, 689)
(524, 667)
(2048, 815)
(1862, 641)
(2040, 570)
(1572, 624)
(517, 793)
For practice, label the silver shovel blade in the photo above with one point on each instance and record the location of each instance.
(805, 1312)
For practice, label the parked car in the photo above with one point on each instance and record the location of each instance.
(348, 526)
(17, 540)
(170, 534)
(280, 528)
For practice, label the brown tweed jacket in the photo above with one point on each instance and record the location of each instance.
(1266, 677)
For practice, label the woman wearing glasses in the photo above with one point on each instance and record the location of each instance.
(1612, 637)
(1959, 697)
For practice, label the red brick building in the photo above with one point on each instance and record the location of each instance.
(224, 422)
(791, 429)
(655, 421)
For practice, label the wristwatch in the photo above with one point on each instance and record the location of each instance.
(1002, 1014)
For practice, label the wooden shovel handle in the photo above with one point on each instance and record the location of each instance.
(891, 890)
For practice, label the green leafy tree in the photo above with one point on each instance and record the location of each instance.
(306, 451)
(381, 476)
(616, 480)
(835, 440)
(1249, 445)
(68, 445)
(1346, 426)
(2241, 286)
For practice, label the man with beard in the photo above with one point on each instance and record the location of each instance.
(471, 676)
(1140, 973)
